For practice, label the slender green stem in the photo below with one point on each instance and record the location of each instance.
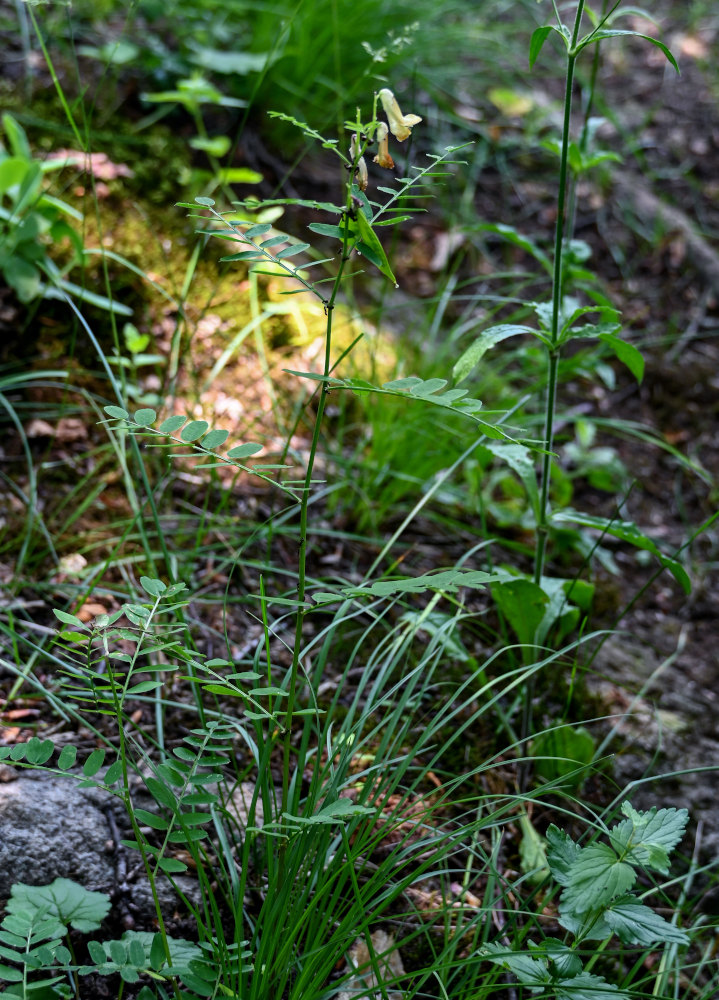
(304, 509)
(554, 350)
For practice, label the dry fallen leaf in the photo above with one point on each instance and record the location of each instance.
(90, 610)
(72, 565)
(389, 963)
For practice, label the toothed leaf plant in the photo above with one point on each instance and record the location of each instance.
(596, 903)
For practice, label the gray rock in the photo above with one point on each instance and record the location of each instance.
(49, 828)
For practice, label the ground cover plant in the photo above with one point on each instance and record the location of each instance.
(367, 765)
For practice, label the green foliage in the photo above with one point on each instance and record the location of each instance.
(32, 221)
(39, 917)
(596, 903)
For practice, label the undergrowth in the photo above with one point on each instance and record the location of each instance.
(364, 787)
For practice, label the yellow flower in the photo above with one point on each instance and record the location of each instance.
(399, 125)
(383, 157)
(361, 167)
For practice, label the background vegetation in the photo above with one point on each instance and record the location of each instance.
(359, 540)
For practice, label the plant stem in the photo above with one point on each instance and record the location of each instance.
(304, 508)
(553, 352)
(557, 275)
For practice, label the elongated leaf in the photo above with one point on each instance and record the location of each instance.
(539, 37)
(372, 248)
(194, 430)
(474, 353)
(172, 424)
(627, 353)
(292, 251)
(93, 763)
(324, 229)
(116, 412)
(597, 36)
(627, 531)
(214, 439)
(145, 416)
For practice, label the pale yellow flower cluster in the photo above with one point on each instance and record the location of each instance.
(398, 124)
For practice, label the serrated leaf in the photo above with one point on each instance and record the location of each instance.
(634, 923)
(586, 986)
(172, 424)
(194, 430)
(531, 972)
(64, 901)
(648, 838)
(145, 416)
(116, 412)
(562, 854)
(595, 878)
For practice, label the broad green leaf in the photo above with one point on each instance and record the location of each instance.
(523, 604)
(562, 752)
(372, 248)
(171, 866)
(205, 202)
(474, 353)
(634, 923)
(324, 229)
(38, 751)
(67, 901)
(627, 531)
(259, 230)
(161, 793)
(595, 878)
(146, 818)
(145, 416)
